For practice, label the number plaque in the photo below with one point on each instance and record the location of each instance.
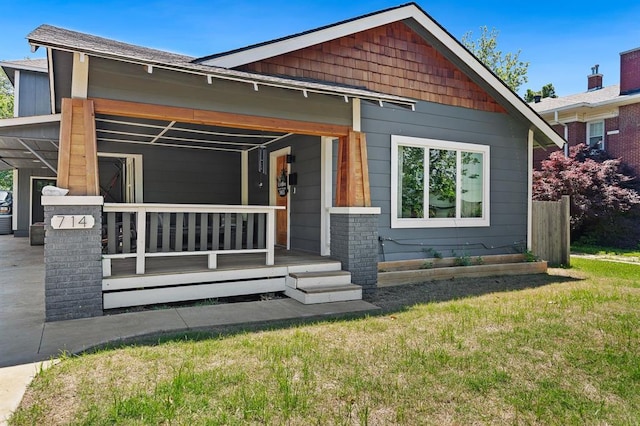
(72, 221)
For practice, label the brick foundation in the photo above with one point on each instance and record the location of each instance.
(354, 242)
(73, 264)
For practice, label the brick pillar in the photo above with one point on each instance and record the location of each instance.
(354, 242)
(73, 260)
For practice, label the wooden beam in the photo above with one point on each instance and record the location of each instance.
(77, 158)
(216, 118)
(364, 161)
(352, 181)
(91, 149)
(64, 151)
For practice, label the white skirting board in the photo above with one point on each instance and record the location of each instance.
(122, 299)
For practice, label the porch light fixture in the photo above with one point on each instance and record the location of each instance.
(209, 79)
(380, 103)
(255, 86)
(150, 69)
(346, 99)
(291, 158)
(304, 92)
(293, 179)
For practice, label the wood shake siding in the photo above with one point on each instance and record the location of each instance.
(390, 59)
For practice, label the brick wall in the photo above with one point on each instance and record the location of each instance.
(629, 137)
(389, 59)
(73, 266)
(612, 142)
(354, 242)
(594, 81)
(630, 71)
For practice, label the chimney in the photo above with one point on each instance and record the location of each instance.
(630, 71)
(537, 98)
(594, 81)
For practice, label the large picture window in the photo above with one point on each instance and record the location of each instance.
(437, 183)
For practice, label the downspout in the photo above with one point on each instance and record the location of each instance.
(566, 133)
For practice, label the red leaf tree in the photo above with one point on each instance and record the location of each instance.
(603, 197)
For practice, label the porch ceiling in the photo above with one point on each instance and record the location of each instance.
(28, 153)
(120, 129)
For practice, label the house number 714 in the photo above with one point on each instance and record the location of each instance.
(72, 221)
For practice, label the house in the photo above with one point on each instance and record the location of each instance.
(28, 142)
(293, 165)
(603, 117)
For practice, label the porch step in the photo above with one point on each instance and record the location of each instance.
(325, 294)
(315, 267)
(322, 287)
(309, 280)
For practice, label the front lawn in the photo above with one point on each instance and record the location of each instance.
(564, 353)
(626, 254)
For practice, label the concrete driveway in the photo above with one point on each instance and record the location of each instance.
(21, 301)
(25, 338)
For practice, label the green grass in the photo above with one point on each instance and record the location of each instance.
(564, 353)
(590, 249)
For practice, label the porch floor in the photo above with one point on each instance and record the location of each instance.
(198, 263)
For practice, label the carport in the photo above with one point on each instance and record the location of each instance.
(29, 146)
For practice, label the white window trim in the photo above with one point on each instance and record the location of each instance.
(397, 222)
(589, 132)
(136, 161)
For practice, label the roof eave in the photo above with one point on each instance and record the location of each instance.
(222, 73)
(287, 44)
(409, 11)
(621, 100)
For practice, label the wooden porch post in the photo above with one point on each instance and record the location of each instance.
(352, 181)
(77, 157)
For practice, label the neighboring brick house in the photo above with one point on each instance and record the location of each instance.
(605, 117)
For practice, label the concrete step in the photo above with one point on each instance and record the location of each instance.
(307, 280)
(325, 294)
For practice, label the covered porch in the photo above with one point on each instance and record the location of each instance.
(163, 252)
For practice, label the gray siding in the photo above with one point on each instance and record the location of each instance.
(305, 202)
(508, 208)
(22, 196)
(63, 63)
(185, 176)
(33, 94)
(116, 80)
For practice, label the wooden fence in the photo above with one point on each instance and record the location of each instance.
(551, 231)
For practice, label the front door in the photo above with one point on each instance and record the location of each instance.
(279, 177)
(37, 211)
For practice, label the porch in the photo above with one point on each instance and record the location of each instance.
(305, 277)
(163, 253)
(215, 203)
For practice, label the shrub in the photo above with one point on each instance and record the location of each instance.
(605, 204)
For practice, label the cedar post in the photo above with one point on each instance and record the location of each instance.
(77, 157)
(352, 182)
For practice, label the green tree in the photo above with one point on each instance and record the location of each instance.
(6, 96)
(6, 111)
(508, 66)
(6, 179)
(547, 91)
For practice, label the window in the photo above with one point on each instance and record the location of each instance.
(437, 183)
(595, 135)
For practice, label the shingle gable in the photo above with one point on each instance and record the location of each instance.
(389, 59)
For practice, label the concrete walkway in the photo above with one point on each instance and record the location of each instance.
(26, 339)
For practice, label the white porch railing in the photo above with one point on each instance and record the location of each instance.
(149, 230)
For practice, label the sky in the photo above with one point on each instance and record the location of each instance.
(561, 40)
